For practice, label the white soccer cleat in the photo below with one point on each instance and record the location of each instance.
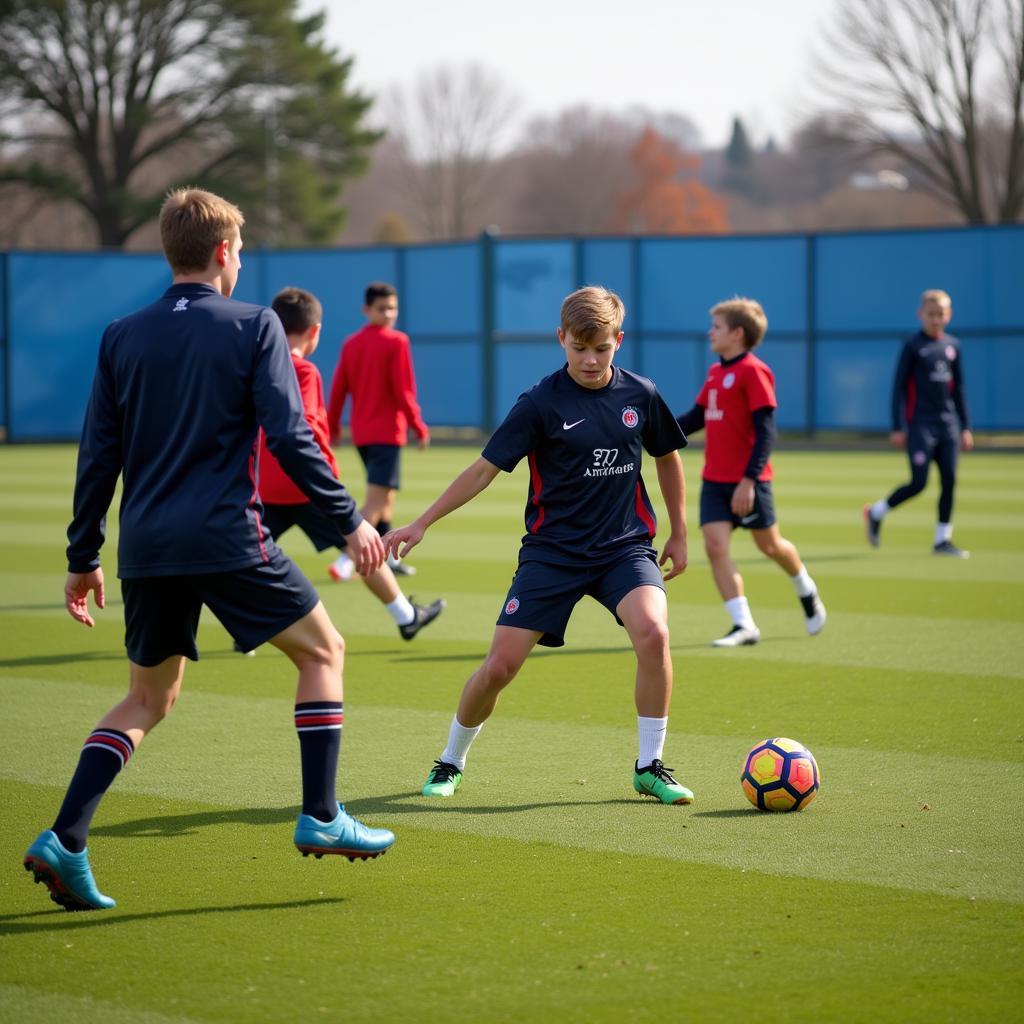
(738, 636)
(814, 612)
(341, 570)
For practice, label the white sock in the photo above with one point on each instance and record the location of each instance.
(738, 608)
(459, 741)
(802, 583)
(879, 509)
(652, 739)
(943, 532)
(401, 610)
(392, 561)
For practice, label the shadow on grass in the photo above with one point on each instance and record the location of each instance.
(732, 812)
(62, 659)
(48, 607)
(61, 920)
(171, 825)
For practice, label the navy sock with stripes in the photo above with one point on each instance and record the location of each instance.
(318, 724)
(104, 754)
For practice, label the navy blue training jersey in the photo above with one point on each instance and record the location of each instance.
(180, 390)
(586, 500)
(929, 383)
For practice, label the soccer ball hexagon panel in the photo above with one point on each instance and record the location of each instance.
(780, 774)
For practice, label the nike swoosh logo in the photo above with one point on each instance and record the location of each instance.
(748, 519)
(569, 426)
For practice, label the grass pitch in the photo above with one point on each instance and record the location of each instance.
(545, 889)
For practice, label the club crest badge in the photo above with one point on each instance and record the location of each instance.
(513, 606)
(950, 353)
(728, 380)
(630, 417)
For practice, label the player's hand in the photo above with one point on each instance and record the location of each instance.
(76, 595)
(743, 498)
(424, 442)
(898, 438)
(365, 548)
(399, 542)
(966, 440)
(675, 551)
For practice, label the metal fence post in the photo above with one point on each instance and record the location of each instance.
(489, 385)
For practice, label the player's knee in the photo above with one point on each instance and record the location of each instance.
(767, 546)
(499, 670)
(651, 640)
(156, 705)
(716, 547)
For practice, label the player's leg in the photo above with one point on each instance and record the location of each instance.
(783, 553)
(406, 614)
(717, 538)
(509, 649)
(317, 650)
(644, 614)
(920, 444)
(161, 616)
(946, 453)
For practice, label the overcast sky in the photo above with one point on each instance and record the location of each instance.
(708, 59)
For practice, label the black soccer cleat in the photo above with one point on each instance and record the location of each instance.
(950, 550)
(814, 613)
(423, 616)
(872, 527)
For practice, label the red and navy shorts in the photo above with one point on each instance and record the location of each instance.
(161, 613)
(544, 594)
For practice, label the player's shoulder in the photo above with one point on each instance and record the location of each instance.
(754, 364)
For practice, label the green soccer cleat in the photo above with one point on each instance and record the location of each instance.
(443, 780)
(656, 780)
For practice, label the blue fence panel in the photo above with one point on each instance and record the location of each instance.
(530, 281)
(677, 366)
(518, 366)
(609, 262)
(873, 281)
(853, 383)
(442, 290)
(788, 359)
(680, 279)
(448, 376)
(993, 370)
(60, 305)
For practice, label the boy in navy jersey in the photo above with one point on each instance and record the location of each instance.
(928, 395)
(180, 390)
(736, 407)
(284, 504)
(589, 528)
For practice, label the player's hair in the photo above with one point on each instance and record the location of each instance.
(297, 309)
(379, 290)
(591, 312)
(746, 314)
(192, 224)
(935, 295)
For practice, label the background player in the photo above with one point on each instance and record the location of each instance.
(180, 387)
(284, 504)
(928, 394)
(736, 406)
(375, 368)
(589, 528)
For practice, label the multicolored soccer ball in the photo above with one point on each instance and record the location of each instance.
(780, 775)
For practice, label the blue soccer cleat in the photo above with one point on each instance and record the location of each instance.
(344, 836)
(67, 875)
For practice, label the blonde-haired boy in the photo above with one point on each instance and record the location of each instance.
(929, 417)
(589, 530)
(736, 407)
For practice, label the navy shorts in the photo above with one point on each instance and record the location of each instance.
(382, 463)
(161, 613)
(543, 595)
(322, 531)
(716, 505)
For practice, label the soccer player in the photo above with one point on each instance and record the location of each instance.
(736, 406)
(284, 504)
(179, 390)
(928, 396)
(589, 530)
(375, 368)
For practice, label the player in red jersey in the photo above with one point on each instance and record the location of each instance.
(736, 406)
(375, 368)
(284, 505)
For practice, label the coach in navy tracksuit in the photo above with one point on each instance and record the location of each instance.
(180, 390)
(928, 394)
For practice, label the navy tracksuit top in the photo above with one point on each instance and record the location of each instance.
(180, 390)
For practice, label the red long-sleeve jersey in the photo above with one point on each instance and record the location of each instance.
(275, 486)
(375, 368)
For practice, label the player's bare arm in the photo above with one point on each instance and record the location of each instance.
(672, 482)
(76, 594)
(466, 486)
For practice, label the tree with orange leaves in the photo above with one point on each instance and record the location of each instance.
(666, 197)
